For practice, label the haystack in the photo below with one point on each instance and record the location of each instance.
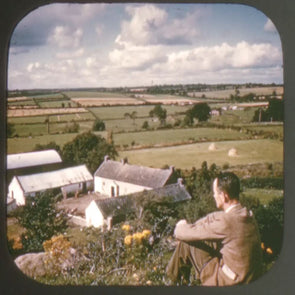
(212, 147)
(232, 152)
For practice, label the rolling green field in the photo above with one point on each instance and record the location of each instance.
(193, 155)
(176, 136)
(118, 112)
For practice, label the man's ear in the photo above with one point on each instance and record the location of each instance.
(225, 197)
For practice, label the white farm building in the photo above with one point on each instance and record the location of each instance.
(30, 159)
(71, 179)
(102, 212)
(114, 178)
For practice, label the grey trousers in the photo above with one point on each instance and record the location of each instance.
(187, 255)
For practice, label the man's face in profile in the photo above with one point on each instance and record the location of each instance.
(218, 195)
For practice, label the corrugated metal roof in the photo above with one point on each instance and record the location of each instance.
(139, 175)
(30, 159)
(125, 204)
(47, 180)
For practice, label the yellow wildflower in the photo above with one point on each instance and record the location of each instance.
(138, 237)
(146, 233)
(269, 251)
(262, 246)
(128, 240)
(126, 227)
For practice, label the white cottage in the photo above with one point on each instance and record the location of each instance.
(114, 178)
(101, 212)
(69, 180)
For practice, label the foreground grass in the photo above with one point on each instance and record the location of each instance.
(264, 195)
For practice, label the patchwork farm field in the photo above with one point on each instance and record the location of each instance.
(40, 112)
(193, 155)
(41, 119)
(225, 94)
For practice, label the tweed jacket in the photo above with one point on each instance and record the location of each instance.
(237, 231)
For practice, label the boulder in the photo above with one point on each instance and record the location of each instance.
(32, 264)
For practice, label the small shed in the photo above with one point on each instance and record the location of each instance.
(71, 179)
(114, 178)
(102, 212)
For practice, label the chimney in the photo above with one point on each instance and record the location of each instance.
(109, 223)
(180, 181)
(106, 158)
(124, 161)
(172, 168)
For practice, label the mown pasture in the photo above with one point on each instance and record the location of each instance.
(193, 155)
(177, 136)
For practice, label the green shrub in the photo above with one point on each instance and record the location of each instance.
(41, 219)
(258, 182)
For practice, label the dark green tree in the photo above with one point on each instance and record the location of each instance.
(145, 125)
(41, 219)
(132, 116)
(50, 146)
(201, 111)
(160, 113)
(98, 125)
(275, 110)
(89, 149)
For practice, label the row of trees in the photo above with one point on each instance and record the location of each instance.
(274, 112)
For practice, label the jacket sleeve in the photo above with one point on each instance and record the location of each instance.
(211, 227)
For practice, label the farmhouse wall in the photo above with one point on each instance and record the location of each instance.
(94, 216)
(16, 192)
(116, 188)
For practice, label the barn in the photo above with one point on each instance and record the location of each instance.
(102, 212)
(71, 179)
(114, 178)
(32, 162)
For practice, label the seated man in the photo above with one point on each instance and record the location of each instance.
(223, 247)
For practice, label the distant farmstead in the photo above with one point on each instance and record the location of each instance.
(71, 179)
(115, 179)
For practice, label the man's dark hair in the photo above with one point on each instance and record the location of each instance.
(229, 183)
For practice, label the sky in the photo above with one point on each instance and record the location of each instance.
(132, 45)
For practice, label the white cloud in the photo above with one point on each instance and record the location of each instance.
(270, 27)
(65, 37)
(242, 55)
(137, 57)
(70, 54)
(151, 25)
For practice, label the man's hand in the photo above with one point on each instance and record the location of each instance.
(179, 223)
(182, 221)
